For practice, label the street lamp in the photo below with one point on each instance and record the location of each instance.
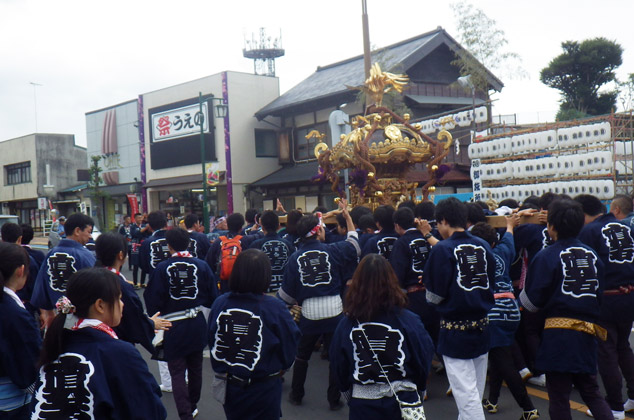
(220, 112)
(466, 82)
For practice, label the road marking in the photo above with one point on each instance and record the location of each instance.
(544, 395)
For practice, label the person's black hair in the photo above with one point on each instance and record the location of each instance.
(590, 204)
(137, 214)
(404, 217)
(84, 288)
(190, 220)
(453, 212)
(270, 221)
(357, 212)
(320, 209)
(510, 203)
(306, 224)
(27, 233)
(251, 272)
(341, 221)
(485, 231)
(367, 222)
(178, 239)
(126, 216)
(475, 214)
(108, 246)
(409, 204)
(623, 202)
(77, 220)
(10, 232)
(526, 205)
(566, 217)
(482, 204)
(291, 221)
(425, 210)
(546, 199)
(12, 256)
(157, 220)
(249, 216)
(533, 199)
(235, 222)
(383, 216)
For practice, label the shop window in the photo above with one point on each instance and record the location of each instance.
(265, 143)
(305, 148)
(18, 173)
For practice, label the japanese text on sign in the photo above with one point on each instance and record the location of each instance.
(180, 122)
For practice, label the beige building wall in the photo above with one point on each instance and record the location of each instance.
(18, 150)
(247, 94)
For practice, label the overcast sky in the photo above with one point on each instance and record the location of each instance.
(89, 54)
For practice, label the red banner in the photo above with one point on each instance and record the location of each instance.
(134, 204)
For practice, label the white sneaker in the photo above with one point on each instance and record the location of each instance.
(628, 406)
(165, 389)
(538, 380)
(618, 415)
(526, 374)
(195, 413)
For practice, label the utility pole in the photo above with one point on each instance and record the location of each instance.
(366, 39)
(35, 101)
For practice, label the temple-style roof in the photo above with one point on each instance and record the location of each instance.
(329, 83)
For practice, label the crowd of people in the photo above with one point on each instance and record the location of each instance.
(389, 295)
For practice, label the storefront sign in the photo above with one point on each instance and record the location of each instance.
(42, 203)
(174, 131)
(112, 161)
(179, 122)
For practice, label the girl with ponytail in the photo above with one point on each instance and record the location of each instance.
(19, 336)
(135, 326)
(86, 371)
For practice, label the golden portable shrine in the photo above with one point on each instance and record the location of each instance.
(380, 150)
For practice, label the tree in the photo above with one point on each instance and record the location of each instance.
(626, 92)
(94, 180)
(581, 71)
(485, 45)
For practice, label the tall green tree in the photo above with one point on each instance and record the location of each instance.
(486, 45)
(97, 194)
(626, 93)
(580, 72)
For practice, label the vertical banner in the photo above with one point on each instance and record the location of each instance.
(141, 119)
(229, 173)
(476, 178)
(134, 204)
(212, 169)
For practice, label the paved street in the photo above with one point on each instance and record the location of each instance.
(315, 406)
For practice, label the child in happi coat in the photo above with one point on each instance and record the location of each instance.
(253, 340)
(19, 336)
(182, 289)
(504, 318)
(565, 281)
(86, 371)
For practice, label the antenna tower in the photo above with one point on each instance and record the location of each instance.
(263, 52)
